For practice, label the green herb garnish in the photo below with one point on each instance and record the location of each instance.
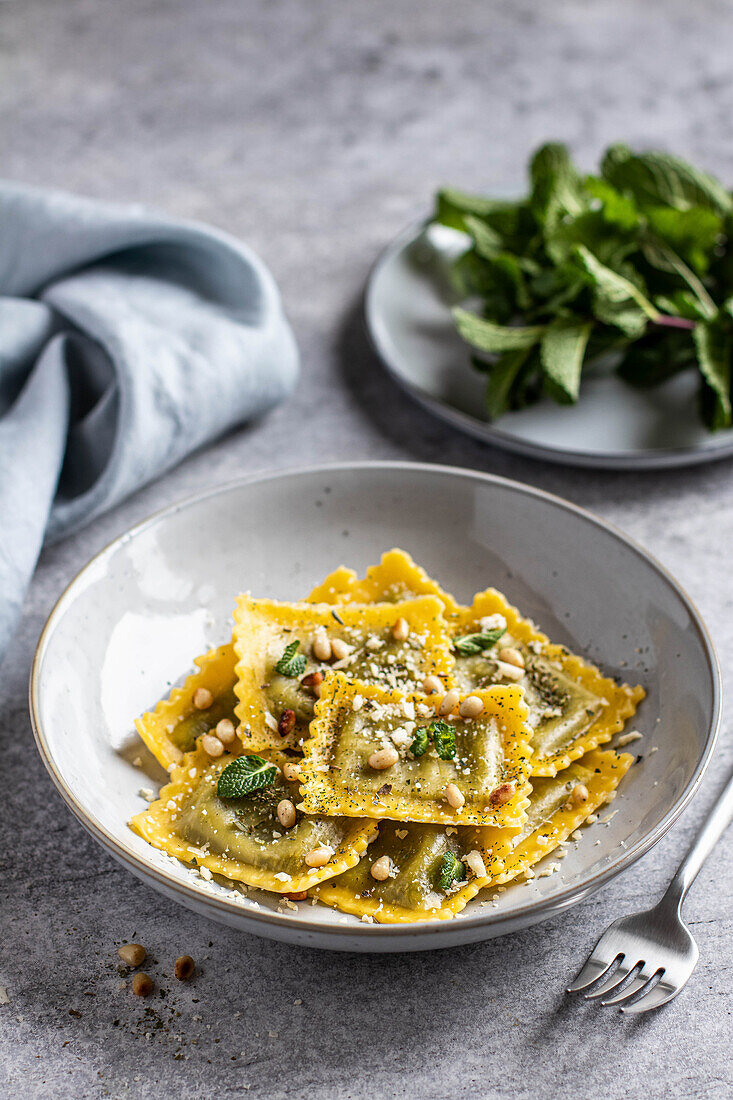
(444, 739)
(634, 263)
(451, 870)
(420, 743)
(292, 663)
(244, 776)
(471, 644)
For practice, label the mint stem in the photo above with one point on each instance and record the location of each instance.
(666, 321)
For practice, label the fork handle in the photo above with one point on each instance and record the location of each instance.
(712, 829)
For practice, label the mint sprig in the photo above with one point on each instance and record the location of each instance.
(244, 776)
(292, 663)
(469, 645)
(634, 262)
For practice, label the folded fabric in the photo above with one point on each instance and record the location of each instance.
(127, 340)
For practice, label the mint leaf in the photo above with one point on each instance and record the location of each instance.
(562, 350)
(501, 377)
(616, 300)
(713, 346)
(244, 776)
(617, 210)
(556, 185)
(451, 870)
(486, 336)
(292, 663)
(486, 241)
(662, 178)
(420, 742)
(692, 233)
(470, 644)
(443, 737)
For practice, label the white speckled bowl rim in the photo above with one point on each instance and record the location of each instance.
(357, 936)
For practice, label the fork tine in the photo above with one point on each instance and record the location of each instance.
(594, 968)
(658, 996)
(635, 986)
(611, 983)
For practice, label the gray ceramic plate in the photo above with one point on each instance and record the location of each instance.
(614, 426)
(129, 625)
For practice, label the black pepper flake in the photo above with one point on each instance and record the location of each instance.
(384, 789)
(337, 617)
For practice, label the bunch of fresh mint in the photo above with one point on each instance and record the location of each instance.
(635, 261)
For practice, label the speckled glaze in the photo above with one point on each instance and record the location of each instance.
(131, 622)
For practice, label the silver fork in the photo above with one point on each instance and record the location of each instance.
(654, 947)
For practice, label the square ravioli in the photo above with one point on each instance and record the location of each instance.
(412, 757)
(250, 839)
(285, 650)
(206, 698)
(396, 577)
(417, 872)
(573, 708)
(407, 874)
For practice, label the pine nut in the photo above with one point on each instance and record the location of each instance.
(511, 656)
(322, 647)
(471, 707)
(286, 723)
(286, 813)
(510, 672)
(431, 685)
(211, 745)
(319, 857)
(202, 698)
(225, 731)
(184, 967)
(312, 682)
(401, 630)
(476, 864)
(340, 649)
(142, 985)
(449, 702)
(380, 868)
(454, 797)
(291, 772)
(383, 759)
(132, 954)
(300, 896)
(579, 794)
(501, 795)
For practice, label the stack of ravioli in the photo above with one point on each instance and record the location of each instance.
(403, 807)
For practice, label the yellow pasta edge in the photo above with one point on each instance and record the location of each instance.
(623, 699)
(395, 567)
(153, 825)
(215, 671)
(508, 863)
(338, 897)
(256, 619)
(320, 796)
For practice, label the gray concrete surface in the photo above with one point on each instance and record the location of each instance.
(315, 130)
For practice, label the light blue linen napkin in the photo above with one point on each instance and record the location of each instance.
(127, 340)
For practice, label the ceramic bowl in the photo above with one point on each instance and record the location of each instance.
(128, 626)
